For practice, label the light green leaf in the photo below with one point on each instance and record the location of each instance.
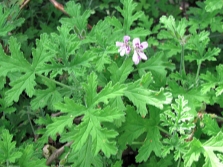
(119, 74)
(90, 89)
(176, 30)
(141, 97)
(110, 91)
(58, 125)
(152, 141)
(47, 97)
(70, 107)
(212, 5)
(28, 158)
(214, 144)
(7, 148)
(158, 63)
(85, 157)
(194, 153)
(181, 120)
(132, 128)
(14, 63)
(26, 82)
(127, 13)
(77, 19)
(211, 127)
(101, 137)
(7, 24)
(212, 81)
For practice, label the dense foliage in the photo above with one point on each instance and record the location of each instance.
(109, 83)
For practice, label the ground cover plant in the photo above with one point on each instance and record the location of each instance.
(111, 83)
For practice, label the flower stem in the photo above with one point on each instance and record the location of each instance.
(198, 72)
(56, 82)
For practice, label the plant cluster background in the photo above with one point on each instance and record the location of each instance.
(97, 83)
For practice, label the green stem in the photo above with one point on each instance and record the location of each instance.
(198, 72)
(182, 67)
(30, 122)
(163, 130)
(179, 161)
(56, 82)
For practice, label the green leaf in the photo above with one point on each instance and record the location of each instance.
(85, 157)
(213, 81)
(177, 31)
(194, 96)
(28, 158)
(43, 52)
(26, 82)
(9, 19)
(211, 127)
(141, 97)
(152, 141)
(109, 92)
(127, 12)
(7, 148)
(193, 153)
(209, 149)
(132, 128)
(214, 144)
(90, 89)
(47, 97)
(212, 5)
(120, 74)
(102, 138)
(14, 63)
(158, 63)
(198, 43)
(180, 119)
(70, 107)
(58, 125)
(77, 18)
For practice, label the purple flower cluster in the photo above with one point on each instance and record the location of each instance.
(125, 48)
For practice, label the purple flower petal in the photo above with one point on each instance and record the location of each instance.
(135, 58)
(136, 42)
(119, 44)
(144, 45)
(142, 55)
(126, 38)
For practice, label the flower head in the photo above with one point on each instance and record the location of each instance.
(138, 50)
(124, 47)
